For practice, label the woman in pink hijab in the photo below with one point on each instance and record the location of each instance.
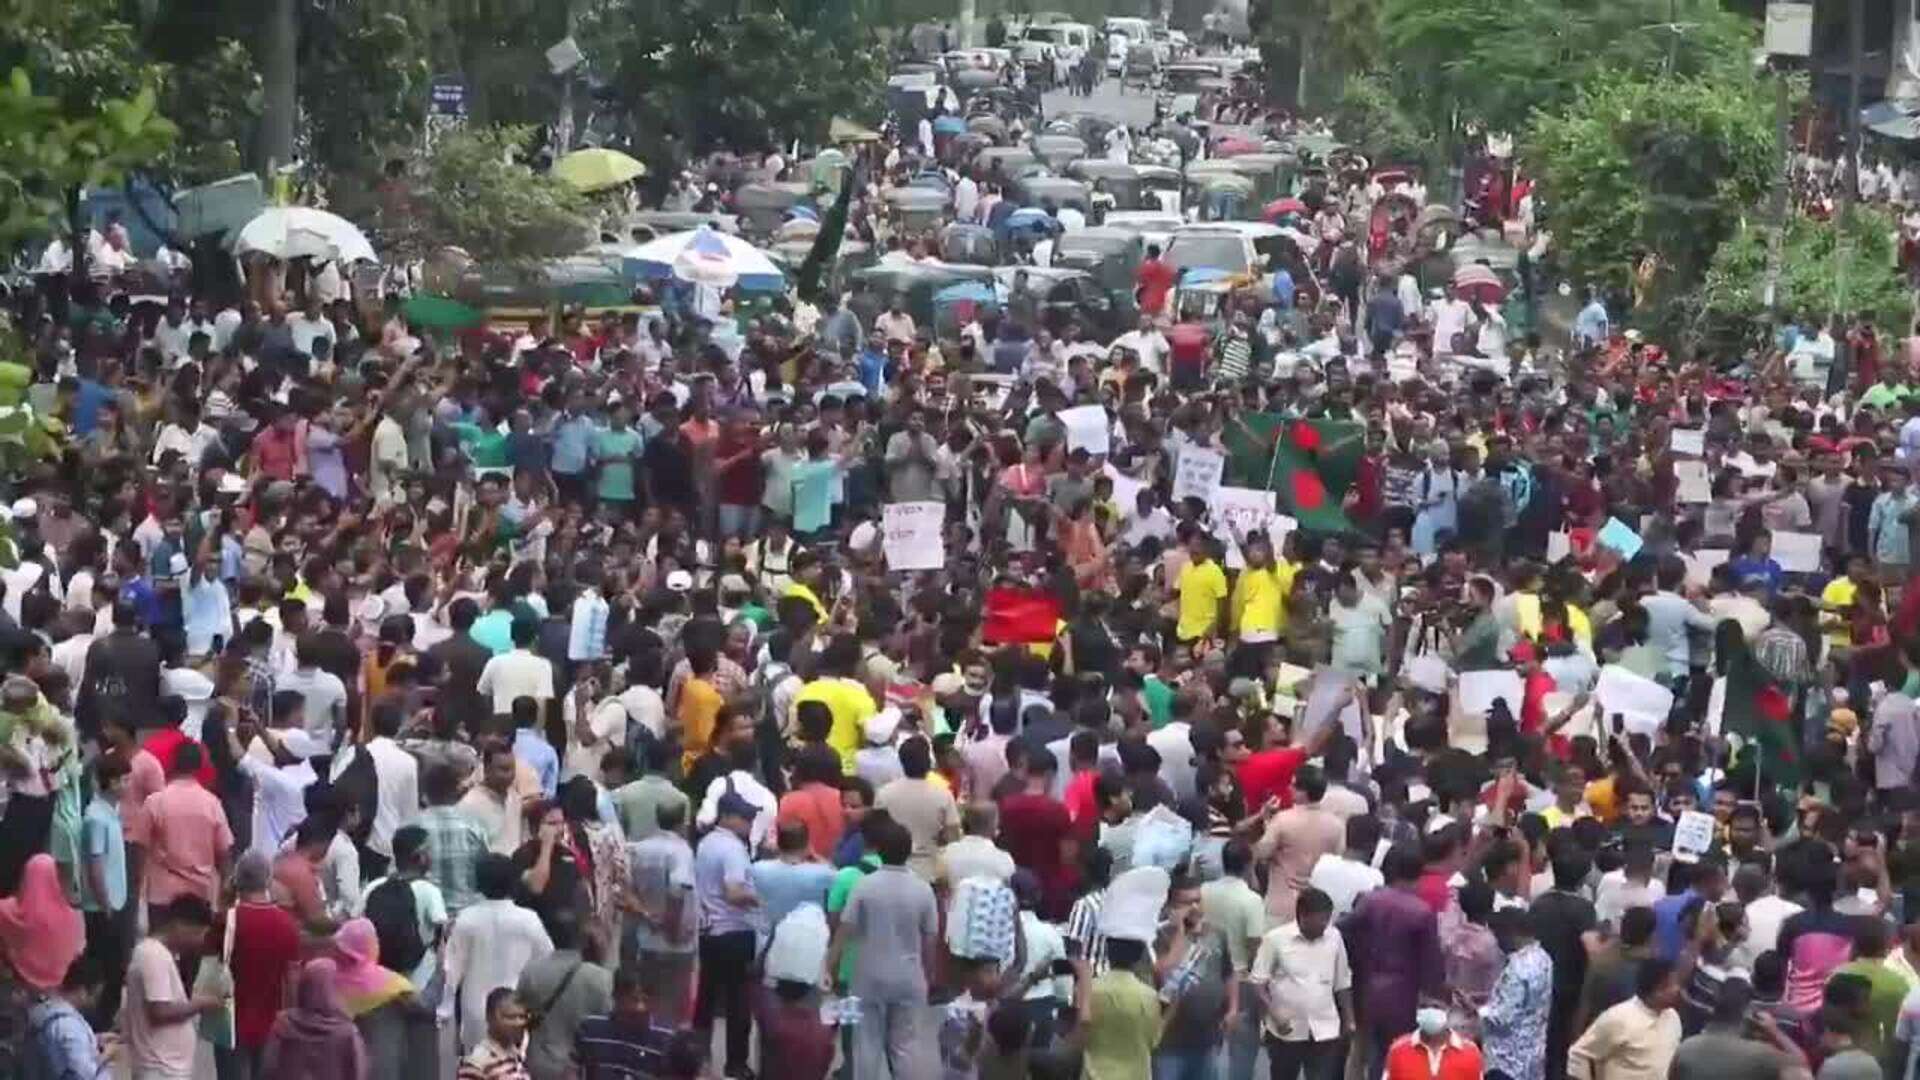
(40, 933)
(315, 1039)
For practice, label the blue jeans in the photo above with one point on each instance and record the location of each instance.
(1187, 1064)
(741, 521)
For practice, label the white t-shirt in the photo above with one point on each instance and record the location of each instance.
(157, 1051)
(516, 674)
(430, 909)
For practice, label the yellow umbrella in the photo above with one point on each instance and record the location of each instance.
(597, 169)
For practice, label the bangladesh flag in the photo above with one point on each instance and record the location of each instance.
(1309, 464)
(1760, 711)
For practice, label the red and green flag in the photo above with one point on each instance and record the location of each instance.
(1309, 464)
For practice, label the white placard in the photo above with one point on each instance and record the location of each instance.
(912, 537)
(1695, 486)
(1688, 441)
(1701, 564)
(1641, 703)
(1559, 546)
(1241, 510)
(1126, 492)
(1692, 835)
(1797, 552)
(1198, 474)
(1087, 428)
(1480, 689)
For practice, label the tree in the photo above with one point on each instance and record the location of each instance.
(476, 195)
(1310, 46)
(1494, 62)
(1664, 164)
(1369, 117)
(754, 74)
(1827, 268)
(50, 155)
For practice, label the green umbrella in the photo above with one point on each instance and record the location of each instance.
(439, 313)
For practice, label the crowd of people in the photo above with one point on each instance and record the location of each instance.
(539, 701)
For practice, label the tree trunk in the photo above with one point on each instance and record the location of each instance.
(276, 53)
(76, 240)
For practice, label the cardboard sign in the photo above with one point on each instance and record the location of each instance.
(1620, 536)
(1692, 835)
(1087, 428)
(1641, 703)
(912, 535)
(1797, 552)
(1247, 511)
(1198, 474)
(1480, 689)
(1559, 546)
(1126, 492)
(1701, 564)
(1688, 441)
(1695, 486)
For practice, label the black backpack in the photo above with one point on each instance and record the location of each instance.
(396, 923)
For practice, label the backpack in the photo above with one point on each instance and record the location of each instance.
(396, 924)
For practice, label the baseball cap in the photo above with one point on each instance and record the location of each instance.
(679, 581)
(297, 743)
(734, 804)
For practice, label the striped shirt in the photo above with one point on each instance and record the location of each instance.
(455, 844)
(1083, 929)
(1233, 357)
(491, 1061)
(622, 1048)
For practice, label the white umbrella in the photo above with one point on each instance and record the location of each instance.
(293, 232)
(706, 257)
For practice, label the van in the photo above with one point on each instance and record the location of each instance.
(1041, 40)
(1123, 33)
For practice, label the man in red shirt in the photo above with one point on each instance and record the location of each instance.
(1267, 772)
(1035, 830)
(1187, 347)
(165, 743)
(1154, 281)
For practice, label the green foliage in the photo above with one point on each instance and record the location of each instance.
(1827, 268)
(1661, 164)
(756, 73)
(49, 153)
(1369, 117)
(376, 57)
(475, 196)
(1331, 38)
(215, 100)
(1494, 62)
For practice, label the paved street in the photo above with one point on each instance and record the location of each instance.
(1133, 107)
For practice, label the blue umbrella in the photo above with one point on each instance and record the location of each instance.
(807, 212)
(949, 125)
(1032, 217)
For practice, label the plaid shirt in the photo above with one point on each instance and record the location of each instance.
(455, 843)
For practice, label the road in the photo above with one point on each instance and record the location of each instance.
(1134, 108)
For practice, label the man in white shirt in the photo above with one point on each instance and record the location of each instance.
(1306, 982)
(397, 783)
(1812, 359)
(1146, 342)
(176, 330)
(1348, 876)
(325, 696)
(490, 944)
(519, 673)
(1449, 317)
(310, 324)
(277, 763)
(966, 197)
(975, 854)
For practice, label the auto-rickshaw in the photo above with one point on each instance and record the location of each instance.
(1059, 191)
(1057, 150)
(971, 81)
(1091, 127)
(1271, 173)
(1198, 174)
(988, 125)
(1003, 163)
(961, 149)
(914, 284)
(969, 245)
(1142, 60)
(851, 256)
(652, 224)
(762, 207)
(1073, 296)
(1391, 225)
(1119, 180)
(917, 209)
(1110, 255)
(1226, 197)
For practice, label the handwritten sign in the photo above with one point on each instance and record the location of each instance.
(1620, 536)
(1198, 474)
(1087, 428)
(1240, 511)
(1797, 552)
(1692, 835)
(1688, 441)
(1694, 484)
(912, 536)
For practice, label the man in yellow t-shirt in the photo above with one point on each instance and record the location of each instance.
(1257, 612)
(1839, 596)
(843, 695)
(1202, 588)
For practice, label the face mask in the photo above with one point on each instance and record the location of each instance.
(1431, 1022)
